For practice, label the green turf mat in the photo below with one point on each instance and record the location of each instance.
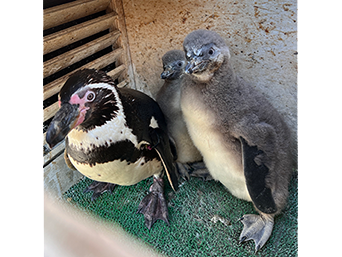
(193, 210)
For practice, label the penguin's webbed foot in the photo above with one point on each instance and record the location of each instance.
(99, 188)
(194, 169)
(256, 227)
(199, 170)
(154, 205)
(184, 170)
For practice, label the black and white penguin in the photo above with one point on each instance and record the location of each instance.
(189, 159)
(243, 139)
(114, 136)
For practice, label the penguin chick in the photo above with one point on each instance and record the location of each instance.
(168, 99)
(114, 136)
(243, 139)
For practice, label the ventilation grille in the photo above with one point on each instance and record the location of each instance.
(78, 34)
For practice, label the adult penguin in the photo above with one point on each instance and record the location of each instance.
(114, 136)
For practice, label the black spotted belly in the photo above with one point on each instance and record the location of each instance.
(120, 163)
(122, 151)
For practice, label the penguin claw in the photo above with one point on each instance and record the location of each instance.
(99, 188)
(242, 239)
(154, 206)
(257, 228)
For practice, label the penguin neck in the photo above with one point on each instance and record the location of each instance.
(225, 73)
(173, 83)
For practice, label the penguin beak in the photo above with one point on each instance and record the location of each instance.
(189, 68)
(66, 118)
(167, 73)
(196, 64)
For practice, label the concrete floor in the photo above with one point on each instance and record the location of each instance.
(261, 35)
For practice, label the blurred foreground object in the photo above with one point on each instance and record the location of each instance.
(68, 232)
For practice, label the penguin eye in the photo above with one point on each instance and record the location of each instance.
(211, 51)
(179, 64)
(90, 96)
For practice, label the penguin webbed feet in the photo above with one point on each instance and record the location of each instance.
(99, 188)
(183, 170)
(154, 205)
(194, 169)
(199, 170)
(257, 228)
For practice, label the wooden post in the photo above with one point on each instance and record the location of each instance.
(120, 24)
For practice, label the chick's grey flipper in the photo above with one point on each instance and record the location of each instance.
(257, 227)
(255, 175)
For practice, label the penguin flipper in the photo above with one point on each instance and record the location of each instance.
(255, 174)
(67, 160)
(160, 143)
(257, 227)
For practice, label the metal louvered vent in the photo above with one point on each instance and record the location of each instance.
(80, 34)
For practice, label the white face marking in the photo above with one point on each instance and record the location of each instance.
(225, 51)
(204, 76)
(114, 130)
(153, 123)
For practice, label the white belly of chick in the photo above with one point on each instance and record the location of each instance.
(223, 163)
(119, 172)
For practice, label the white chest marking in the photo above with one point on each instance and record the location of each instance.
(153, 123)
(112, 131)
(223, 163)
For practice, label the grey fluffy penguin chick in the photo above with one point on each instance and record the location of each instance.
(243, 139)
(168, 99)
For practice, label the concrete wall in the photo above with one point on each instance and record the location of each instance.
(262, 36)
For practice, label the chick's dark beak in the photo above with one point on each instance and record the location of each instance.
(196, 65)
(64, 120)
(167, 73)
(189, 68)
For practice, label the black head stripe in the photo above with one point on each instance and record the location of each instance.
(81, 78)
(103, 109)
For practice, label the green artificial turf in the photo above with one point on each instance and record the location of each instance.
(193, 210)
